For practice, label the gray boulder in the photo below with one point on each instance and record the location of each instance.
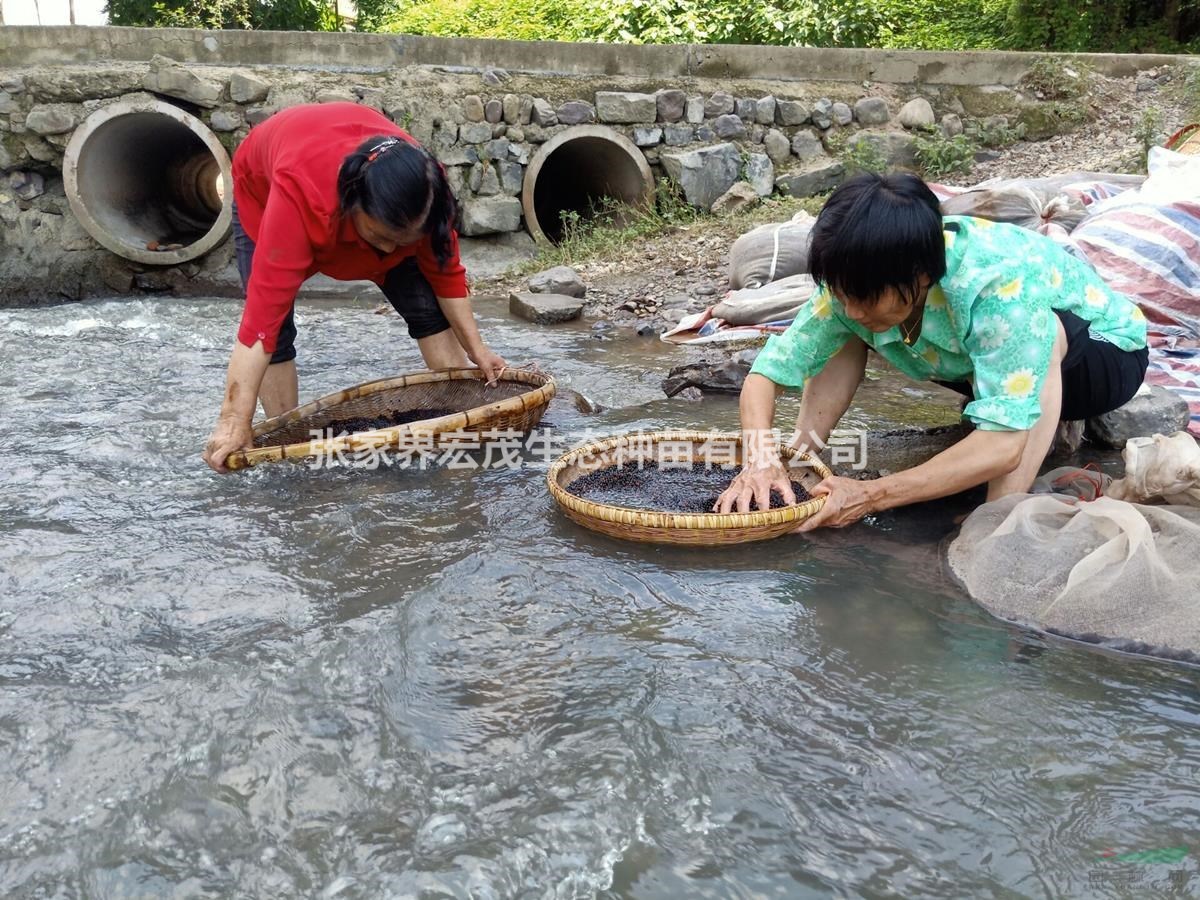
(842, 114)
(544, 309)
(744, 108)
(512, 176)
(493, 112)
(777, 146)
(723, 377)
(670, 105)
(1159, 411)
(472, 107)
(694, 110)
(26, 185)
(760, 172)
(704, 174)
(807, 145)
(247, 88)
(952, 125)
(576, 112)
(764, 110)
(647, 137)
(872, 111)
(917, 113)
(52, 118)
(678, 135)
(822, 114)
(170, 79)
(737, 198)
(719, 104)
(625, 108)
(543, 113)
(818, 178)
(729, 127)
(475, 132)
(510, 106)
(491, 215)
(559, 280)
(791, 112)
(227, 119)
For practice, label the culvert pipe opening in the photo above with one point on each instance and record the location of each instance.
(576, 172)
(150, 182)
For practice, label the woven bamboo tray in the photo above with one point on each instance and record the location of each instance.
(1186, 140)
(678, 528)
(514, 404)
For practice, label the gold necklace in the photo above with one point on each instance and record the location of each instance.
(907, 333)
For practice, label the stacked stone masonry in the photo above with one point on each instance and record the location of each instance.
(483, 124)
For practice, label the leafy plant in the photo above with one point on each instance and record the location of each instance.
(996, 133)
(1149, 129)
(860, 154)
(939, 156)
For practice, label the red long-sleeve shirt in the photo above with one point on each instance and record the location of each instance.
(285, 184)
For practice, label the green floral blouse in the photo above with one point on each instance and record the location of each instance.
(989, 321)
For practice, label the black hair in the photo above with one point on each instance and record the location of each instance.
(877, 232)
(395, 183)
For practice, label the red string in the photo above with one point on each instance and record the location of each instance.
(1091, 474)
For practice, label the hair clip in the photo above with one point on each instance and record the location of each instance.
(379, 149)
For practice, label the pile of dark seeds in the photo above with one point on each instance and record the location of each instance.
(387, 420)
(682, 489)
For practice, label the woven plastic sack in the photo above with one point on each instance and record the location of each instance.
(778, 301)
(1160, 468)
(1021, 203)
(1122, 574)
(770, 252)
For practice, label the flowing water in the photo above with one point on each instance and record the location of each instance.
(360, 684)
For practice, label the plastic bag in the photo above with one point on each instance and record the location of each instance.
(1160, 468)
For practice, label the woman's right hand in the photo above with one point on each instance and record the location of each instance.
(230, 434)
(754, 483)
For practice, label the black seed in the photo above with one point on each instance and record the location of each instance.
(685, 488)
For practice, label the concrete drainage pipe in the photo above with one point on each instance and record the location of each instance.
(575, 171)
(149, 182)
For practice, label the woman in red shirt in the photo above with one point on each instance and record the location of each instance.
(337, 188)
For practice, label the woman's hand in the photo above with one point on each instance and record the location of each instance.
(755, 483)
(230, 434)
(492, 364)
(846, 501)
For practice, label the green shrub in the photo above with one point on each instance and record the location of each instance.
(858, 155)
(939, 156)
(995, 134)
(1053, 78)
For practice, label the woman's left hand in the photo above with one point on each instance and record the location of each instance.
(492, 364)
(846, 501)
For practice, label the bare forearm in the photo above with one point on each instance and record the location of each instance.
(976, 459)
(757, 406)
(461, 317)
(247, 366)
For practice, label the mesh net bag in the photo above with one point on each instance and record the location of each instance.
(1107, 571)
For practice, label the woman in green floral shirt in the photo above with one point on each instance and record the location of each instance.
(1003, 314)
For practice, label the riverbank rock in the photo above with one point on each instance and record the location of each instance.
(734, 200)
(704, 174)
(490, 215)
(872, 111)
(544, 309)
(818, 178)
(559, 280)
(723, 377)
(620, 107)
(917, 113)
(1157, 411)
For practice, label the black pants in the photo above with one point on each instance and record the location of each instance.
(1097, 376)
(406, 288)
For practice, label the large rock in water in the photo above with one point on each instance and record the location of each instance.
(544, 309)
(725, 377)
(1157, 411)
(705, 174)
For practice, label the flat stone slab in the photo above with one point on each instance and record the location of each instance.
(544, 309)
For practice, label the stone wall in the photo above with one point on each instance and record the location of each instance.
(707, 120)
